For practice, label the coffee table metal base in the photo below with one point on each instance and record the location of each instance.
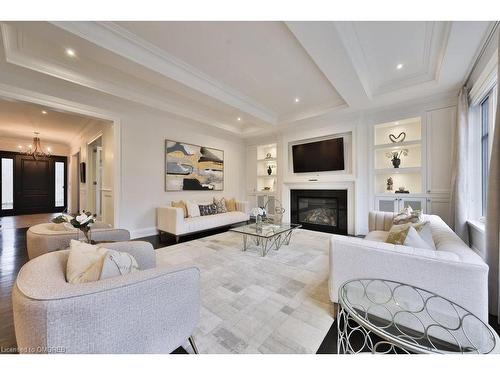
(267, 244)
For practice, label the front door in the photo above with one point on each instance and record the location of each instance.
(37, 185)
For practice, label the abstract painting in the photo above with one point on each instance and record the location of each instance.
(191, 167)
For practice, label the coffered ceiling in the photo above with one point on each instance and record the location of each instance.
(245, 77)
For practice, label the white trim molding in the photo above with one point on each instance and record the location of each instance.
(486, 80)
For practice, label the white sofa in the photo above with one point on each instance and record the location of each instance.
(453, 270)
(171, 220)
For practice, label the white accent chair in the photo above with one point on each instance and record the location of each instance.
(154, 310)
(171, 220)
(453, 270)
(42, 238)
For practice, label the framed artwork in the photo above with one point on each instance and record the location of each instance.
(192, 167)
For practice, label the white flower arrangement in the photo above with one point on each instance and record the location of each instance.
(82, 221)
(258, 211)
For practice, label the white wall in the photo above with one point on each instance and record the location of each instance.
(140, 149)
(143, 166)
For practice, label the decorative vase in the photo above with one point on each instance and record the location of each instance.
(396, 162)
(258, 221)
(269, 170)
(87, 236)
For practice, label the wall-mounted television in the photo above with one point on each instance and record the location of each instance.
(320, 156)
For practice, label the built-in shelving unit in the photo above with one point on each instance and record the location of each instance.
(267, 158)
(409, 173)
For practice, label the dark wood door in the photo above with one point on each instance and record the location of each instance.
(35, 185)
(34, 191)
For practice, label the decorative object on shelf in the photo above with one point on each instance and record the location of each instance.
(35, 149)
(82, 221)
(269, 156)
(260, 214)
(390, 183)
(269, 170)
(266, 188)
(400, 138)
(395, 156)
(191, 167)
(402, 190)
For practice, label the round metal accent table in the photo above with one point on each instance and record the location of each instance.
(383, 316)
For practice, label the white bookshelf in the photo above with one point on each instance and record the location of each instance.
(409, 173)
(267, 156)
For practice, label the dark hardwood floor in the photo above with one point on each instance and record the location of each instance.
(13, 255)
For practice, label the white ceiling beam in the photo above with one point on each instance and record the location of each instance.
(116, 39)
(324, 45)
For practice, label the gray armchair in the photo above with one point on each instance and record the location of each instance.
(41, 238)
(154, 310)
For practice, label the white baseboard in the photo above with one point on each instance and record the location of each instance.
(143, 232)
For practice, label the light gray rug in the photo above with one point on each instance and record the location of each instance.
(253, 304)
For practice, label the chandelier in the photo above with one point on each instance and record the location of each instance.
(35, 150)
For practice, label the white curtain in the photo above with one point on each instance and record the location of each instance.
(492, 216)
(459, 168)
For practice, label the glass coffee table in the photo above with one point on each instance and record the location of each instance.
(382, 316)
(266, 235)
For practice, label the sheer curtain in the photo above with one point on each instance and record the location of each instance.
(492, 215)
(459, 168)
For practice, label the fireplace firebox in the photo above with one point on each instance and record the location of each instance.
(320, 210)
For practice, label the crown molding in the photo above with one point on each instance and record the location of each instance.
(116, 39)
(435, 45)
(14, 54)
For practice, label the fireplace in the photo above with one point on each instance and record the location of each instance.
(320, 210)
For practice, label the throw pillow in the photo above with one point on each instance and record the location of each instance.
(192, 209)
(84, 262)
(117, 263)
(87, 263)
(413, 239)
(182, 205)
(220, 205)
(207, 209)
(62, 227)
(398, 235)
(408, 215)
(231, 205)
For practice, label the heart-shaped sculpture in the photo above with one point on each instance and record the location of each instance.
(395, 139)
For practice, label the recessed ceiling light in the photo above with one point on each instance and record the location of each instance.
(44, 112)
(70, 52)
(297, 100)
(239, 118)
(399, 66)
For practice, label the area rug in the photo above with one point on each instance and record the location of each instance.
(253, 304)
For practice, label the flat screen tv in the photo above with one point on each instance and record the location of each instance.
(321, 156)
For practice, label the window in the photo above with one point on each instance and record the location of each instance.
(7, 184)
(59, 183)
(485, 117)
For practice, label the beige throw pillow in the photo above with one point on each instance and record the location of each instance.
(231, 205)
(88, 263)
(182, 205)
(412, 234)
(84, 262)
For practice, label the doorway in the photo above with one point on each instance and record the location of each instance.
(95, 153)
(30, 186)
